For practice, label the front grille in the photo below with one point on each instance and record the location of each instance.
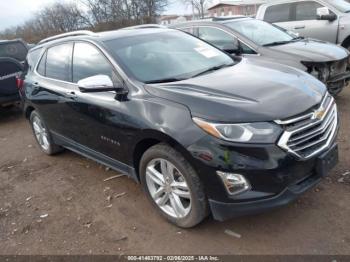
(309, 134)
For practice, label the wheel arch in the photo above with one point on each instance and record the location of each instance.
(28, 111)
(151, 138)
(346, 42)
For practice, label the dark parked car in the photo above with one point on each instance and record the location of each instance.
(12, 57)
(201, 131)
(262, 41)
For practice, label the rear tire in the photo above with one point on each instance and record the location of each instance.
(42, 135)
(173, 187)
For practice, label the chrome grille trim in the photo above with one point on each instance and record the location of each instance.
(306, 136)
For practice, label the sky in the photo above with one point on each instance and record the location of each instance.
(15, 12)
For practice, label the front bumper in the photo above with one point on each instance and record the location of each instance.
(222, 211)
(276, 177)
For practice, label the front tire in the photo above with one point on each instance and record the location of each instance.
(42, 135)
(173, 187)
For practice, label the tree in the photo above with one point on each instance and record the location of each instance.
(98, 15)
(199, 6)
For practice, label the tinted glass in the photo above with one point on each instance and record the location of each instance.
(89, 61)
(32, 58)
(188, 30)
(259, 32)
(166, 54)
(216, 37)
(277, 13)
(58, 62)
(306, 10)
(16, 50)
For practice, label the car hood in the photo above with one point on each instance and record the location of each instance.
(250, 91)
(313, 50)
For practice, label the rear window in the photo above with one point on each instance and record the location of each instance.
(15, 50)
(278, 13)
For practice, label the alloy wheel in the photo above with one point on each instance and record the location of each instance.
(41, 133)
(168, 188)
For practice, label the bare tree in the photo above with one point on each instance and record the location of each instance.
(98, 15)
(199, 6)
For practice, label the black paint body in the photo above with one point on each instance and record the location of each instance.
(116, 132)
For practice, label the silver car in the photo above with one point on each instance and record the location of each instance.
(327, 20)
(256, 39)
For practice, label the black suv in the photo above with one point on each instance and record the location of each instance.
(12, 57)
(201, 131)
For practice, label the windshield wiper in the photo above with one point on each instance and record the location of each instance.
(211, 69)
(278, 43)
(285, 42)
(164, 80)
(298, 38)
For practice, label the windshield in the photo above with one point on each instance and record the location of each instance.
(260, 32)
(340, 5)
(166, 55)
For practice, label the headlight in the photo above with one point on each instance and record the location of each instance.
(261, 132)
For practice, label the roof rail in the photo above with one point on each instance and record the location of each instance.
(226, 18)
(74, 33)
(146, 26)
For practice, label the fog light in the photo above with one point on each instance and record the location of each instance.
(235, 184)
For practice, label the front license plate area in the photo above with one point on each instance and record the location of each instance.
(327, 161)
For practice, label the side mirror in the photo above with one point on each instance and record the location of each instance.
(98, 83)
(323, 13)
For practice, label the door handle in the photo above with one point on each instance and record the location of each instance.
(299, 27)
(71, 94)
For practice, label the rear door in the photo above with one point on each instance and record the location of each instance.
(50, 87)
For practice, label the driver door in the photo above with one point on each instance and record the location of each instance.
(308, 25)
(97, 117)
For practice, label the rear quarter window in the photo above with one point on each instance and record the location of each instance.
(32, 59)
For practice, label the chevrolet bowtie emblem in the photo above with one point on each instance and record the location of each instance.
(319, 114)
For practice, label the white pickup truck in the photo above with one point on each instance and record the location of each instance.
(327, 20)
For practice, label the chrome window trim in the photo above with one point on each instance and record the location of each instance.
(119, 71)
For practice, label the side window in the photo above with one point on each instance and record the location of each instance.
(246, 49)
(216, 37)
(89, 61)
(58, 62)
(42, 65)
(306, 10)
(32, 59)
(278, 13)
(188, 30)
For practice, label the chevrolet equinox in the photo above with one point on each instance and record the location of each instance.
(203, 132)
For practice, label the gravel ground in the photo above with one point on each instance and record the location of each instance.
(61, 205)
